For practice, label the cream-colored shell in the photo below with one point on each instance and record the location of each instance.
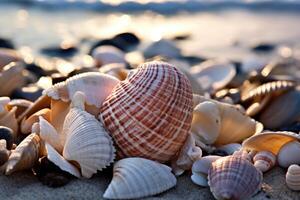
(139, 177)
(8, 116)
(264, 160)
(289, 154)
(293, 177)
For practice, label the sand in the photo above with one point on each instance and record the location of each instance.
(25, 186)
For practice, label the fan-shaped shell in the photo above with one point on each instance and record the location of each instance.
(293, 177)
(149, 114)
(25, 155)
(213, 74)
(233, 177)
(264, 160)
(96, 87)
(139, 177)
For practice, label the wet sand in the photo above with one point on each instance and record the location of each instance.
(24, 185)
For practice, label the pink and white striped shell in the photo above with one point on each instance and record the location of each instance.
(264, 160)
(233, 177)
(292, 177)
(149, 114)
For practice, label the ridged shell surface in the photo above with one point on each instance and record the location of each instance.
(293, 177)
(233, 177)
(264, 160)
(139, 177)
(149, 114)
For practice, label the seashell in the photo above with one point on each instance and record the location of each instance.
(8, 119)
(230, 148)
(21, 104)
(233, 177)
(293, 177)
(106, 54)
(7, 134)
(7, 56)
(282, 111)
(4, 154)
(25, 155)
(11, 78)
(289, 154)
(149, 114)
(26, 124)
(188, 154)
(117, 70)
(214, 74)
(139, 177)
(163, 48)
(96, 87)
(264, 160)
(220, 123)
(200, 169)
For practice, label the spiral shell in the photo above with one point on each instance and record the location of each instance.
(264, 160)
(293, 177)
(139, 177)
(233, 177)
(149, 113)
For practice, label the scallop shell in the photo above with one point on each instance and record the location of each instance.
(289, 154)
(25, 155)
(96, 87)
(233, 177)
(105, 54)
(264, 160)
(149, 113)
(200, 169)
(11, 78)
(117, 70)
(26, 124)
(213, 74)
(220, 123)
(139, 177)
(293, 177)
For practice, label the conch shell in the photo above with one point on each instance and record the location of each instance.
(293, 177)
(139, 177)
(149, 113)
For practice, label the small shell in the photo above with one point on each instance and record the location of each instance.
(4, 153)
(96, 87)
(104, 55)
(230, 148)
(139, 177)
(289, 154)
(293, 177)
(200, 169)
(21, 104)
(214, 75)
(9, 120)
(25, 155)
(26, 124)
(7, 135)
(7, 56)
(87, 142)
(117, 70)
(264, 160)
(233, 177)
(149, 114)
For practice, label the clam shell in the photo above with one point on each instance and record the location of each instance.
(213, 75)
(289, 154)
(96, 87)
(233, 177)
(269, 141)
(25, 155)
(87, 142)
(26, 124)
(139, 177)
(105, 54)
(293, 177)
(264, 160)
(149, 113)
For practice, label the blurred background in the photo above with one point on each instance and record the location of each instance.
(197, 29)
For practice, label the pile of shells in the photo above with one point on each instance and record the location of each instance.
(151, 122)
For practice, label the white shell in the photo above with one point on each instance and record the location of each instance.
(106, 54)
(163, 48)
(213, 75)
(60, 161)
(264, 160)
(139, 177)
(230, 148)
(95, 85)
(293, 177)
(289, 154)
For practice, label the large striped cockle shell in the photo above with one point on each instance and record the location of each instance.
(139, 177)
(83, 139)
(233, 177)
(220, 123)
(200, 169)
(292, 177)
(285, 145)
(264, 160)
(149, 113)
